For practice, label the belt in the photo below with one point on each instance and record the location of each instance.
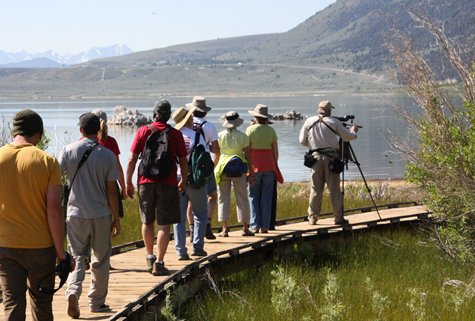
(328, 150)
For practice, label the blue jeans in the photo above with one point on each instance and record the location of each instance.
(199, 201)
(260, 195)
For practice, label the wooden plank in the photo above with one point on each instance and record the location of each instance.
(129, 281)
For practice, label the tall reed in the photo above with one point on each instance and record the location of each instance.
(292, 201)
(364, 277)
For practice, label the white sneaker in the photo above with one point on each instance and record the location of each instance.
(312, 219)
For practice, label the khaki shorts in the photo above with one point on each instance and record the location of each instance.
(159, 201)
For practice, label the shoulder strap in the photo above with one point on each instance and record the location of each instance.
(152, 128)
(197, 139)
(201, 129)
(330, 127)
(318, 121)
(84, 159)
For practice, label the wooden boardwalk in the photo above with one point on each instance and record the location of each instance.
(129, 280)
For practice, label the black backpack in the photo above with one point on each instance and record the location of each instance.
(157, 162)
(199, 129)
(200, 166)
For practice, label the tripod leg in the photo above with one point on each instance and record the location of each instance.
(364, 179)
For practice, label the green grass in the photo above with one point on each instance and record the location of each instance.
(292, 201)
(392, 276)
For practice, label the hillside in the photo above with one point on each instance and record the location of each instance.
(349, 33)
(203, 52)
(338, 49)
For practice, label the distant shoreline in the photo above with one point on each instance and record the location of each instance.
(207, 95)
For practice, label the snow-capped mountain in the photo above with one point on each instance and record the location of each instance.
(68, 59)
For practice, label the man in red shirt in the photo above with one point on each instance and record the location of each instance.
(158, 198)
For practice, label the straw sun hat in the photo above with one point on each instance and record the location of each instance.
(231, 119)
(181, 116)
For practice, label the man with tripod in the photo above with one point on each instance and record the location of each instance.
(320, 134)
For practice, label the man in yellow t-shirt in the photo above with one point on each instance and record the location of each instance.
(31, 219)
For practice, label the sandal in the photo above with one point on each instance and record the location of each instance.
(247, 233)
(224, 233)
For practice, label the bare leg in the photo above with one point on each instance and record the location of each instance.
(163, 238)
(189, 213)
(148, 234)
(212, 203)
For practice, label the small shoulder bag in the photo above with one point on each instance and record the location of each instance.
(66, 188)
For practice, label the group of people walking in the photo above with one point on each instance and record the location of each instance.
(31, 215)
(175, 199)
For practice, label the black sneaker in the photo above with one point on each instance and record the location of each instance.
(198, 252)
(102, 308)
(209, 233)
(184, 257)
(341, 221)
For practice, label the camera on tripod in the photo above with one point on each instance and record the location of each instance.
(345, 118)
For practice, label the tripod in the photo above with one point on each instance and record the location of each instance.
(347, 154)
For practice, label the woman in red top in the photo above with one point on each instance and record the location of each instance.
(110, 143)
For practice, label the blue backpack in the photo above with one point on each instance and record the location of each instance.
(235, 167)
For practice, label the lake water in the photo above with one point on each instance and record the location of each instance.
(60, 118)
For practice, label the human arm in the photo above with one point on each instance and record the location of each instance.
(113, 200)
(345, 133)
(55, 216)
(247, 155)
(303, 137)
(129, 173)
(183, 162)
(121, 179)
(275, 151)
(214, 147)
(216, 158)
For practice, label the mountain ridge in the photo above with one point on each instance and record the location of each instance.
(16, 59)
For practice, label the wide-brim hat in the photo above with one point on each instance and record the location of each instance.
(101, 114)
(181, 116)
(200, 104)
(260, 111)
(231, 119)
(325, 105)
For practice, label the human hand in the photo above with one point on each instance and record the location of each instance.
(182, 185)
(354, 129)
(62, 257)
(130, 190)
(115, 228)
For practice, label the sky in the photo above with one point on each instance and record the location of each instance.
(71, 27)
